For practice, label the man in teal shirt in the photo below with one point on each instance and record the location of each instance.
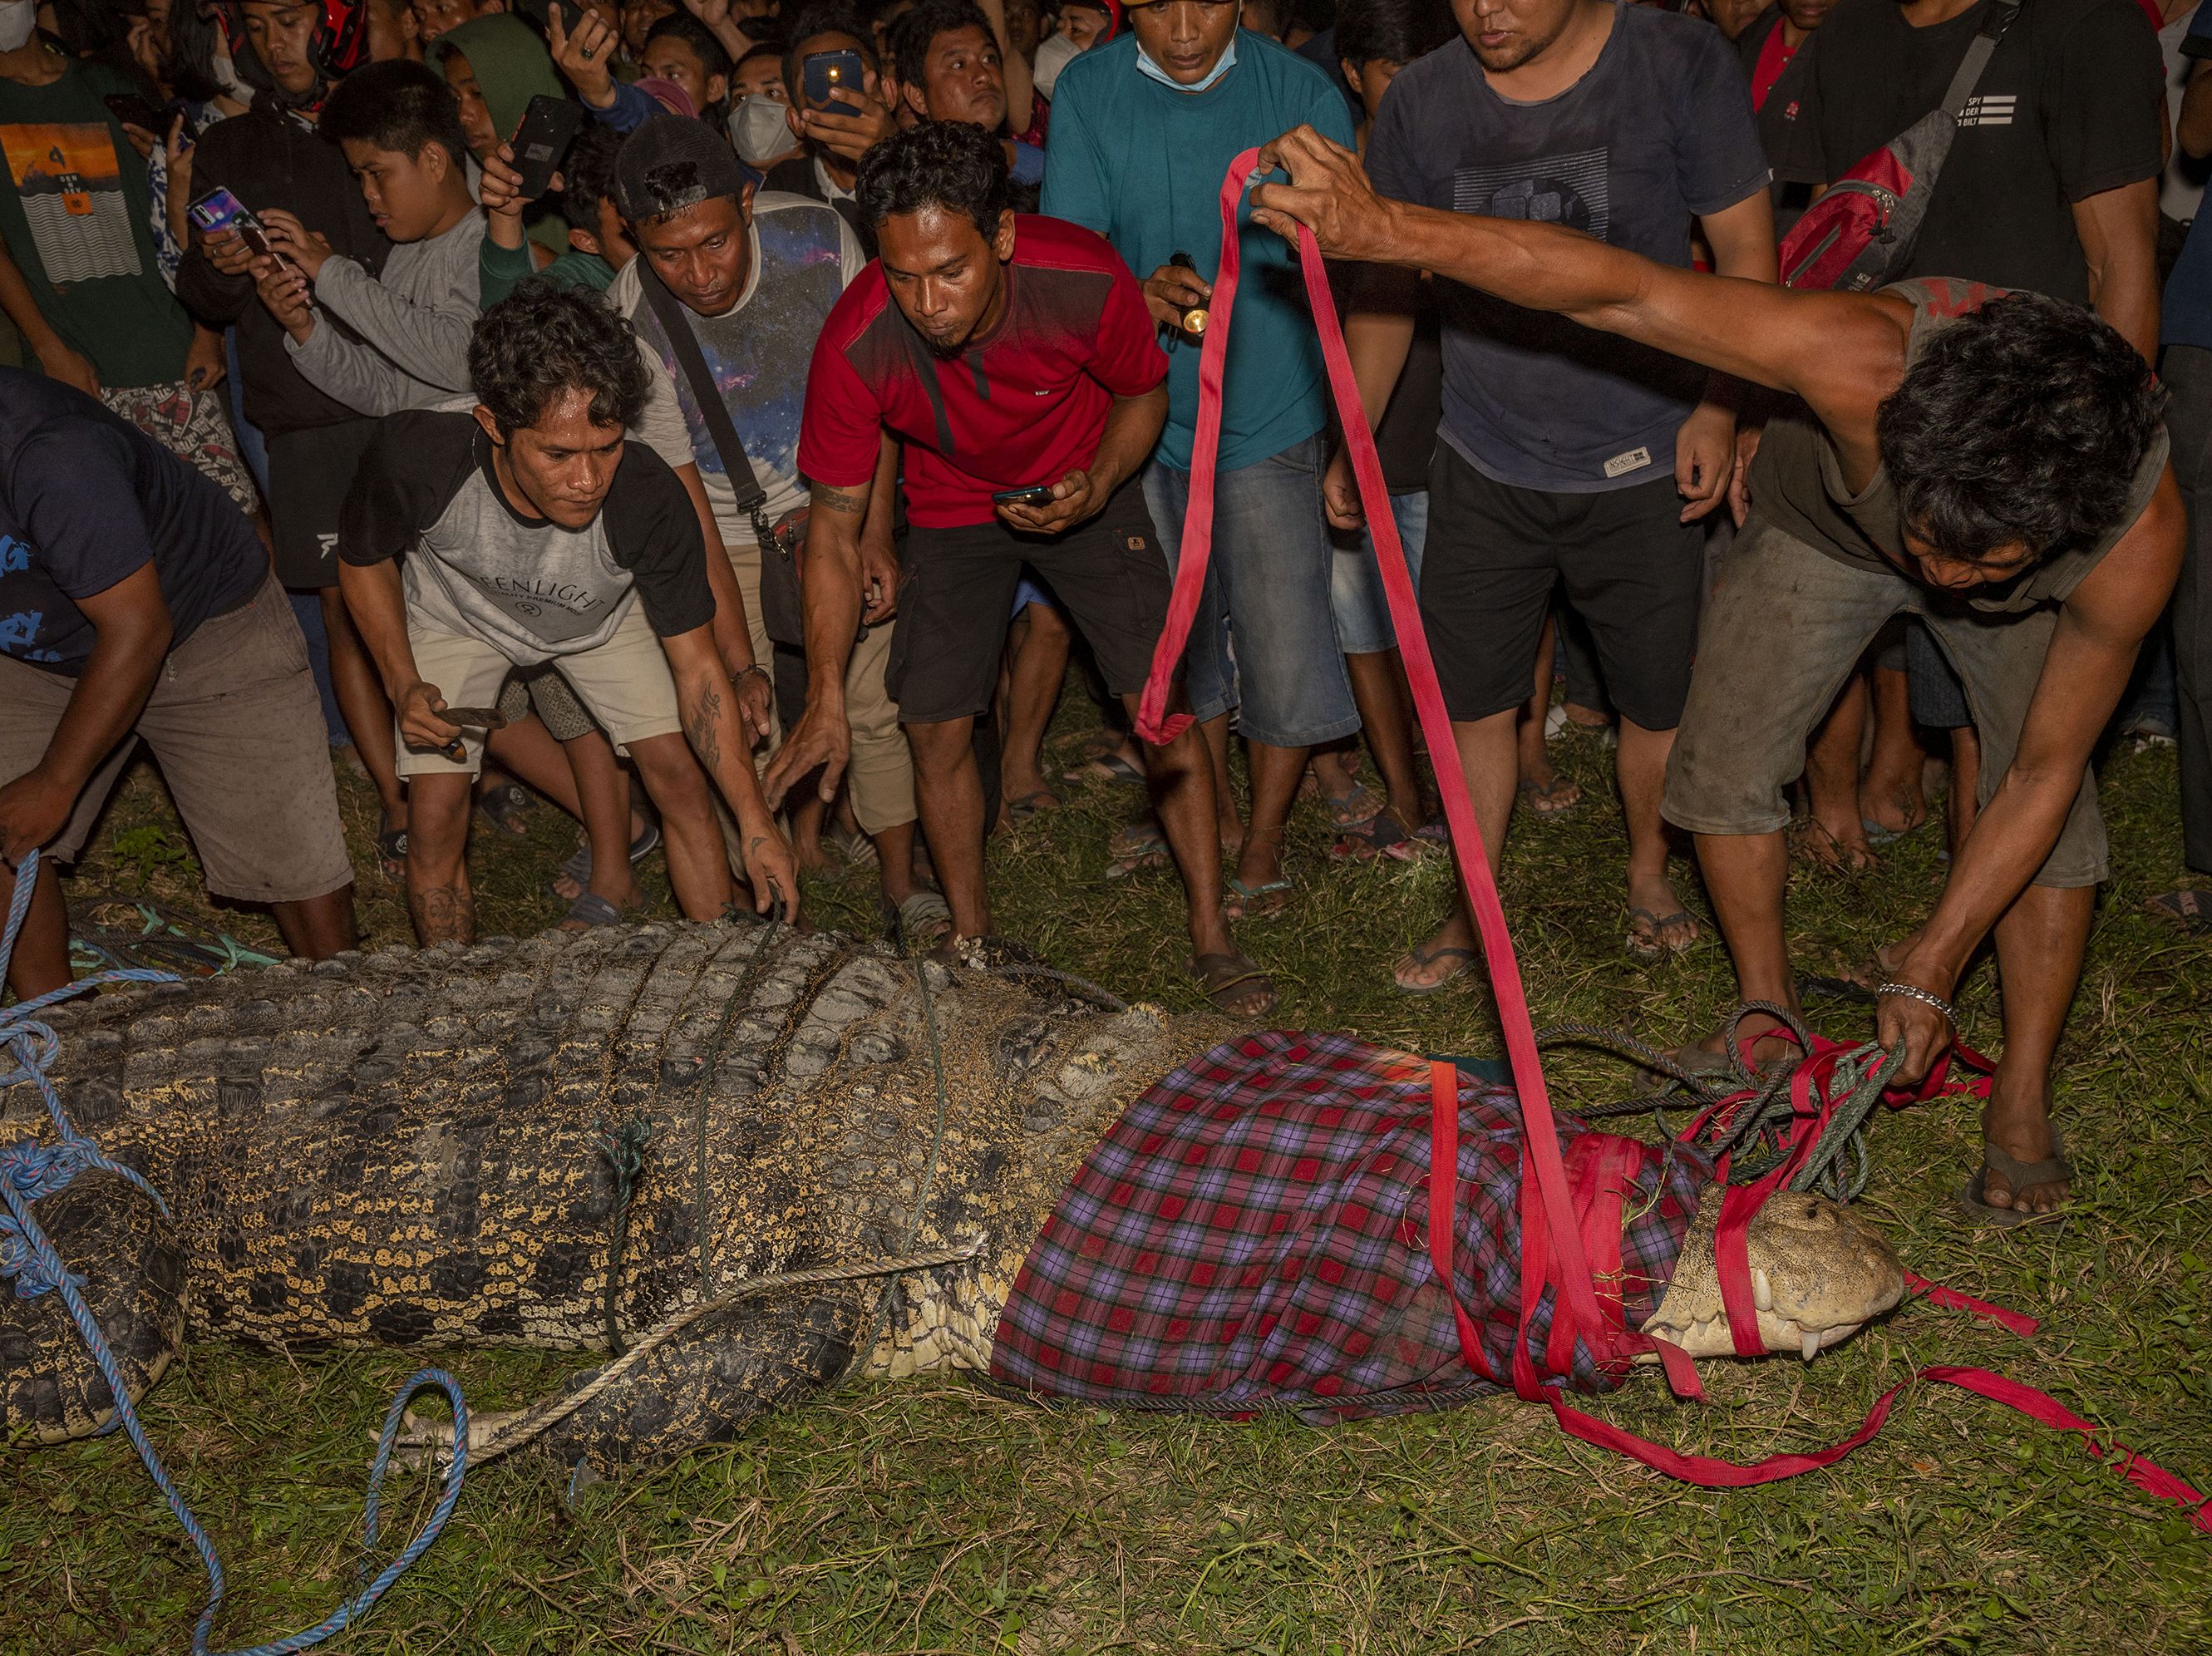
(1144, 128)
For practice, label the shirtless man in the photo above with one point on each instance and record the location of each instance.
(1994, 463)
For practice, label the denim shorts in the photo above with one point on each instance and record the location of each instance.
(1264, 642)
(1355, 592)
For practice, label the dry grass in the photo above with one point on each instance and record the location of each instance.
(933, 1518)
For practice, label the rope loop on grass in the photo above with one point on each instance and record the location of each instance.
(1747, 1114)
(30, 1171)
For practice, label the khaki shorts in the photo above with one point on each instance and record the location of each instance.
(625, 683)
(234, 723)
(1785, 626)
(880, 770)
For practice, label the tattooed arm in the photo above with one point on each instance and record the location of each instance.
(822, 738)
(718, 735)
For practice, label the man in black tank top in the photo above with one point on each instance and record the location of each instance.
(1994, 462)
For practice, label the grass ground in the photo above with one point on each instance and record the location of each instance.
(934, 1517)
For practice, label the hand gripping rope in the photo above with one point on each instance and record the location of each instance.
(30, 1169)
(1556, 1251)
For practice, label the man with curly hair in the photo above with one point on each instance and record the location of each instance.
(1993, 462)
(532, 533)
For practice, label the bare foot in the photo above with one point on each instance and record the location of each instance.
(1819, 845)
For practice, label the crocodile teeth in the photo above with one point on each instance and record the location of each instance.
(1762, 1291)
(1812, 1344)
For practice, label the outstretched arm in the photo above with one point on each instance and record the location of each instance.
(711, 724)
(1842, 353)
(832, 596)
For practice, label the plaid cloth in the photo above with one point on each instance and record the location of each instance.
(1254, 1230)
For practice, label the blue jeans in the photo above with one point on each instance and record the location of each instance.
(1363, 612)
(1264, 641)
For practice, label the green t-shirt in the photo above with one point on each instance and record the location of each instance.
(74, 214)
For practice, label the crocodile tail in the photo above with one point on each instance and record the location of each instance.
(132, 1266)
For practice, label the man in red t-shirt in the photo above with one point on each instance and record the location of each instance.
(1014, 357)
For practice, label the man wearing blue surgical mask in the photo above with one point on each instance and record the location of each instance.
(1143, 128)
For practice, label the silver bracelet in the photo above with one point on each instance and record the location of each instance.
(1925, 996)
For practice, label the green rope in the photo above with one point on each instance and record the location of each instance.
(1755, 1137)
(624, 1149)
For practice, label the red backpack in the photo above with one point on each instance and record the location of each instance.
(1860, 231)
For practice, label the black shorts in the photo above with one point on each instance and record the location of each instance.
(310, 473)
(957, 593)
(1631, 570)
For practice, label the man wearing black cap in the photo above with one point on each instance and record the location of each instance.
(751, 278)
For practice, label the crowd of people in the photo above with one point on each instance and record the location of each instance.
(727, 422)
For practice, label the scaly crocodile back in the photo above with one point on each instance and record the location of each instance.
(414, 1146)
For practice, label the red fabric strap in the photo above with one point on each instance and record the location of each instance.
(1554, 1251)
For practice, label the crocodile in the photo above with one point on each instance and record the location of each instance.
(582, 1142)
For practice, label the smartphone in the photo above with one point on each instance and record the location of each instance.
(1035, 495)
(536, 10)
(134, 111)
(219, 211)
(548, 127)
(823, 73)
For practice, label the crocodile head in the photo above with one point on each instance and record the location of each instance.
(1818, 1272)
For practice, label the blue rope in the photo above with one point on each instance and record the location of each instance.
(30, 1169)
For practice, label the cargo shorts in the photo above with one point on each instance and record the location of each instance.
(1784, 627)
(233, 721)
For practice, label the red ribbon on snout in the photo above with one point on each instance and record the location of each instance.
(1560, 1235)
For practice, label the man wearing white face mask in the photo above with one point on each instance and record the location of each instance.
(760, 110)
(1143, 128)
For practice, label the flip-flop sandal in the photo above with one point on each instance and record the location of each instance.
(2019, 1175)
(1879, 836)
(1655, 949)
(1436, 830)
(1543, 796)
(1428, 958)
(1255, 902)
(1382, 835)
(1354, 809)
(924, 922)
(853, 846)
(1221, 977)
(507, 808)
(578, 863)
(1109, 767)
(1036, 800)
(2189, 908)
(1134, 849)
(391, 849)
(590, 909)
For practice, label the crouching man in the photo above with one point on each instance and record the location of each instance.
(532, 532)
(135, 600)
(1991, 461)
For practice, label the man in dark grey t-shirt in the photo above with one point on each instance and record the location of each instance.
(531, 533)
(1565, 456)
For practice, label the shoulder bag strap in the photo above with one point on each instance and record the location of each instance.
(736, 465)
(1977, 60)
